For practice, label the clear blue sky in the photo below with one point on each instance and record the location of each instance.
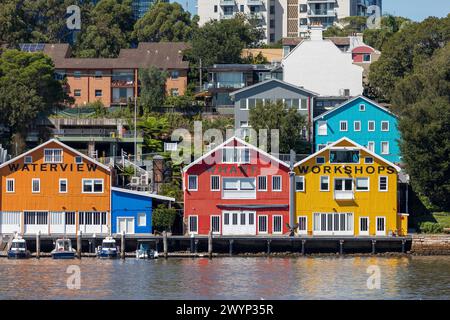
(413, 9)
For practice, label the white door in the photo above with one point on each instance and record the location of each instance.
(303, 225)
(238, 223)
(57, 222)
(381, 226)
(125, 224)
(364, 226)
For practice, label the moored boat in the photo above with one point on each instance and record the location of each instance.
(108, 249)
(18, 249)
(63, 249)
(144, 251)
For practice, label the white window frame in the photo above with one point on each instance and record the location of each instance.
(196, 182)
(59, 185)
(238, 151)
(324, 132)
(76, 159)
(354, 125)
(39, 185)
(387, 144)
(139, 216)
(262, 190)
(368, 125)
(346, 125)
(304, 186)
(53, 155)
(371, 143)
(305, 231)
(211, 183)
(267, 223)
(321, 146)
(92, 181)
(320, 183)
(28, 159)
(189, 224)
(211, 224)
(379, 183)
(362, 107)
(364, 233)
(8, 180)
(281, 183)
(385, 122)
(273, 224)
(356, 184)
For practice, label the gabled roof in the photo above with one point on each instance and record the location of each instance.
(143, 194)
(273, 80)
(358, 146)
(78, 153)
(350, 101)
(240, 141)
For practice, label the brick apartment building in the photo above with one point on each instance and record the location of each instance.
(114, 81)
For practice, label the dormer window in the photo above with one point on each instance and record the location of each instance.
(53, 155)
(235, 155)
(344, 156)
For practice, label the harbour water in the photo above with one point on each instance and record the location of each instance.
(401, 277)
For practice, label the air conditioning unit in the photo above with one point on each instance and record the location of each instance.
(134, 181)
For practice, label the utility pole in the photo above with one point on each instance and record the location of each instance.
(201, 75)
(135, 133)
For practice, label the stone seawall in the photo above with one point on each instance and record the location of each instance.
(431, 244)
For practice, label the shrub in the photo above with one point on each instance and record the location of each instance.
(163, 218)
(431, 227)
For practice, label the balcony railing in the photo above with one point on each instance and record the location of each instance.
(223, 85)
(322, 13)
(226, 16)
(344, 195)
(254, 2)
(227, 2)
(94, 133)
(122, 83)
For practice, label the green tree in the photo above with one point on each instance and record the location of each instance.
(221, 42)
(275, 115)
(153, 88)
(109, 30)
(423, 101)
(27, 88)
(410, 46)
(376, 38)
(163, 218)
(165, 22)
(13, 27)
(154, 129)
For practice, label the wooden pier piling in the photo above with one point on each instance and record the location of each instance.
(79, 244)
(403, 245)
(38, 244)
(165, 244)
(122, 245)
(192, 243)
(374, 249)
(268, 246)
(341, 246)
(231, 247)
(210, 244)
(303, 246)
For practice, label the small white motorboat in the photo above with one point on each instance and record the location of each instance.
(108, 249)
(18, 249)
(63, 249)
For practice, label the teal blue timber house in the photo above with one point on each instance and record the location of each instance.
(363, 121)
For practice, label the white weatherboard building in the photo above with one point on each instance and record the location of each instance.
(268, 12)
(319, 66)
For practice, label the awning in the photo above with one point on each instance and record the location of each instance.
(254, 206)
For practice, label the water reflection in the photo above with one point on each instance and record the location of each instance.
(228, 278)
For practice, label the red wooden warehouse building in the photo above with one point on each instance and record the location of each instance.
(236, 189)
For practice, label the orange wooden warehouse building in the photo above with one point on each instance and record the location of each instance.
(54, 189)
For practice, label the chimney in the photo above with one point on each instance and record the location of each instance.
(316, 32)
